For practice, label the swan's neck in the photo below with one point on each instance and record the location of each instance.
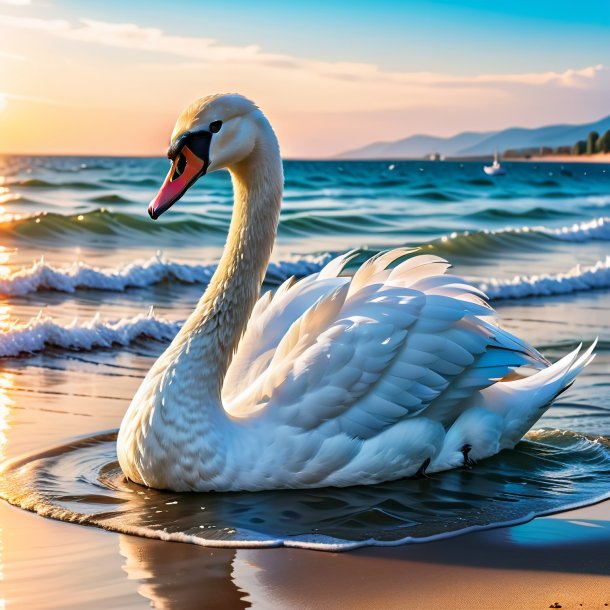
(212, 332)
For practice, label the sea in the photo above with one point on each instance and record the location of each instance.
(92, 291)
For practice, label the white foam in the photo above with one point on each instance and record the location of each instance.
(43, 276)
(578, 279)
(596, 229)
(43, 331)
(590, 230)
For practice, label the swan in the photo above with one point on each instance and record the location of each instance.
(399, 370)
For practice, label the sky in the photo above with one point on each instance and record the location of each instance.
(86, 77)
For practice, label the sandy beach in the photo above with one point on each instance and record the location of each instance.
(599, 158)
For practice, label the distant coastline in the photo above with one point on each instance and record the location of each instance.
(562, 139)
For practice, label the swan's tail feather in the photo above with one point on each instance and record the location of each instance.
(521, 402)
(562, 373)
(582, 362)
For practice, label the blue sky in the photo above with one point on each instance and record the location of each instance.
(468, 37)
(331, 75)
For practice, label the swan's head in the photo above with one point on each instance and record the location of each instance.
(215, 132)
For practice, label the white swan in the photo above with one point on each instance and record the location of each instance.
(333, 380)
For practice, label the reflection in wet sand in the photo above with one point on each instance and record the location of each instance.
(174, 575)
(57, 566)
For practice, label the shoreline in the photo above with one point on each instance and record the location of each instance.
(557, 559)
(599, 158)
(560, 559)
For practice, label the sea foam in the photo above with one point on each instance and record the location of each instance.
(42, 331)
(596, 229)
(43, 276)
(580, 278)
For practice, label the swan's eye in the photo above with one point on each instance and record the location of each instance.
(215, 126)
(180, 166)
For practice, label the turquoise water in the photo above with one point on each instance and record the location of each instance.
(77, 243)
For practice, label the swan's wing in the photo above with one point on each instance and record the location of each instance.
(368, 352)
(271, 319)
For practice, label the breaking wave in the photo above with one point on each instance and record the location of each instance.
(580, 278)
(510, 238)
(43, 276)
(42, 331)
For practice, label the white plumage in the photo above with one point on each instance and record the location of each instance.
(400, 369)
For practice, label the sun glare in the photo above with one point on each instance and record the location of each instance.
(2, 102)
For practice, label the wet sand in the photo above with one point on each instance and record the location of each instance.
(561, 559)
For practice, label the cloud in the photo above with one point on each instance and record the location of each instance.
(568, 78)
(6, 55)
(29, 98)
(54, 26)
(317, 107)
(202, 51)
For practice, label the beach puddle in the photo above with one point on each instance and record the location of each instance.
(82, 483)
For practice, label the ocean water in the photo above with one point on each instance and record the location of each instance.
(92, 290)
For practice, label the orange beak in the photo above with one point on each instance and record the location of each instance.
(175, 185)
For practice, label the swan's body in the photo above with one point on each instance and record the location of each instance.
(332, 380)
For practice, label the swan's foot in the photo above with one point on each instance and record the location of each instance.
(468, 463)
(421, 473)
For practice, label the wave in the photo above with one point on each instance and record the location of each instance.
(48, 225)
(567, 345)
(141, 274)
(537, 213)
(435, 195)
(133, 181)
(113, 198)
(104, 221)
(596, 229)
(43, 276)
(474, 242)
(42, 331)
(544, 183)
(576, 280)
(39, 183)
(52, 226)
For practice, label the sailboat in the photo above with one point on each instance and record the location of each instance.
(495, 169)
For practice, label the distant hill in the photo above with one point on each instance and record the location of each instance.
(471, 143)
